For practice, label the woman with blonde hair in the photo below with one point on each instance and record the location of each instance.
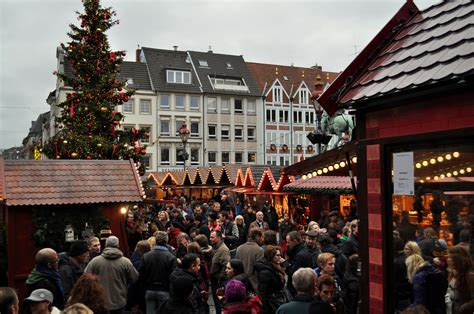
(460, 294)
(240, 222)
(411, 248)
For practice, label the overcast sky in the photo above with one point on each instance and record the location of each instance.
(305, 33)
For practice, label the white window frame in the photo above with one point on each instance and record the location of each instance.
(167, 106)
(227, 159)
(165, 163)
(225, 105)
(194, 162)
(277, 94)
(249, 137)
(194, 134)
(241, 110)
(178, 77)
(212, 109)
(191, 107)
(149, 127)
(241, 129)
(303, 96)
(146, 102)
(249, 161)
(251, 106)
(209, 135)
(131, 103)
(209, 159)
(225, 132)
(241, 157)
(165, 133)
(203, 63)
(176, 102)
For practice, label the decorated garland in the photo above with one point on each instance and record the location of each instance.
(310, 148)
(50, 224)
(299, 147)
(284, 147)
(273, 147)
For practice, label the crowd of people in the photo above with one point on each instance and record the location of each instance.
(192, 257)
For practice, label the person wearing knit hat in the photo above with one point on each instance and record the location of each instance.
(71, 266)
(236, 298)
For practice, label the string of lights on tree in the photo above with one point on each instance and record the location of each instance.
(88, 123)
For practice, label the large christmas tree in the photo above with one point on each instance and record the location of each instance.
(88, 122)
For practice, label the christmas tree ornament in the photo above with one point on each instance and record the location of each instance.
(103, 109)
(74, 155)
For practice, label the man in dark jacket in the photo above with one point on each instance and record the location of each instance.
(351, 246)
(327, 246)
(154, 273)
(270, 216)
(298, 257)
(179, 302)
(189, 269)
(229, 230)
(45, 275)
(312, 247)
(71, 266)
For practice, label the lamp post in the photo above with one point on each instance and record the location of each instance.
(184, 134)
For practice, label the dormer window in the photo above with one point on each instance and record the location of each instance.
(228, 83)
(229, 65)
(178, 77)
(203, 63)
(129, 81)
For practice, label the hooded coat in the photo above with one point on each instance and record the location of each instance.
(116, 272)
(49, 280)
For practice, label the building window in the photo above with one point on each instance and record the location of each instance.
(128, 106)
(283, 116)
(179, 152)
(165, 101)
(211, 157)
(271, 160)
(211, 104)
(127, 127)
(179, 102)
(225, 105)
(146, 129)
(225, 132)
(203, 63)
(251, 107)
(251, 133)
(251, 157)
(271, 115)
(225, 157)
(211, 130)
(277, 94)
(238, 157)
(178, 124)
(146, 162)
(238, 107)
(194, 156)
(195, 102)
(303, 96)
(178, 77)
(239, 132)
(194, 129)
(165, 156)
(164, 128)
(145, 106)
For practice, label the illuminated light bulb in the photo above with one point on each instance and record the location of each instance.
(442, 176)
(432, 161)
(310, 175)
(449, 175)
(456, 154)
(422, 181)
(448, 157)
(325, 170)
(336, 166)
(436, 178)
(425, 163)
(320, 172)
(455, 173)
(342, 164)
(468, 169)
(392, 173)
(305, 177)
(330, 168)
(462, 171)
(354, 160)
(418, 165)
(123, 210)
(314, 173)
(440, 158)
(428, 178)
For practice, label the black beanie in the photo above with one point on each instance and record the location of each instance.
(78, 247)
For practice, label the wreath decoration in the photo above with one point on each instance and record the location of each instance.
(284, 147)
(310, 148)
(273, 147)
(299, 147)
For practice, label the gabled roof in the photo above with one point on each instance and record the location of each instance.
(266, 74)
(136, 71)
(160, 60)
(60, 182)
(320, 184)
(217, 65)
(415, 51)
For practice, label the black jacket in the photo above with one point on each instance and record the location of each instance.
(197, 302)
(242, 235)
(350, 295)
(176, 306)
(285, 228)
(230, 238)
(341, 259)
(157, 266)
(69, 272)
(269, 282)
(299, 257)
(270, 215)
(351, 246)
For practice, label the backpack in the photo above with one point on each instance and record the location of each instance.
(435, 286)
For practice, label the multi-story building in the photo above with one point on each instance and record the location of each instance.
(289, 112)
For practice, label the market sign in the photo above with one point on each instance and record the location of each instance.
(403, 174)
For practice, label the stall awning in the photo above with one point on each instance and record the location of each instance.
(320, 184)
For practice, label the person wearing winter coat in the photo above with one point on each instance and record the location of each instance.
(327, 246)
(179, 301)
(71, 266)
(270, 216)
(219, 262)
(298, 256)
(236, 299)
(116, 272)
(460, 294)
(402, 289)
(350, 293)
(351, 246)
(270, 277)
(229, 230)
(250, 253)
(240, 222)
(304, 281)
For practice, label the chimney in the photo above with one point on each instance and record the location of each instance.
(175, 48)
(210, 49)
(137, 54)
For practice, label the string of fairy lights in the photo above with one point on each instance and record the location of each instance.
(328, 169)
